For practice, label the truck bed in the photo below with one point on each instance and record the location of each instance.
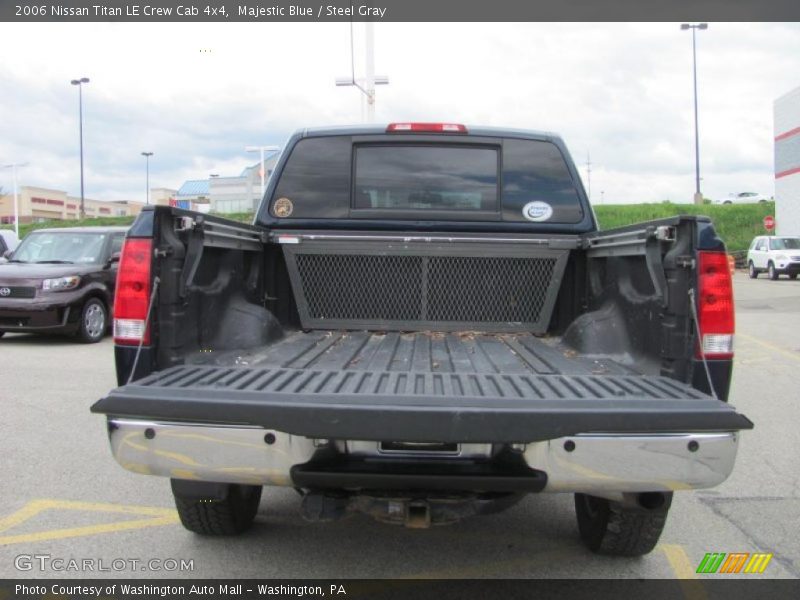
(418, 352)
(423, 386)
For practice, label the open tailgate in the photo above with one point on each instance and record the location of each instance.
(421, 407)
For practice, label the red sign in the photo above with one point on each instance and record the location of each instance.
(769, 223)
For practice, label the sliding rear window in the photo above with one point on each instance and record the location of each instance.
(426, 179)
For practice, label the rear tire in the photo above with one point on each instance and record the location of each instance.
(229, 511)
(752, 271)
(94, 321)
(791, 276)
(773, 274)
(614, 529)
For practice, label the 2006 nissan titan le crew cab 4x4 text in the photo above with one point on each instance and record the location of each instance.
(425, 324)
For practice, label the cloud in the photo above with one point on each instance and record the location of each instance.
(196, 94)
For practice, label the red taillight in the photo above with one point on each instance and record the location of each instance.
(133, 293)
(426, 128)
(715, 305)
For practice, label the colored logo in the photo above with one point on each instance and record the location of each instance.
(283, 207)
(734, 562)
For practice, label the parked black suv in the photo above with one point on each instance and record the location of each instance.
(61, 281)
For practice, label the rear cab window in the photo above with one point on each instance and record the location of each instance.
(414, 179)
(408, 178)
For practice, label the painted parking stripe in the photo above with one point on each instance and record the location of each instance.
(768, 345)
(684, 571)
(153, 517)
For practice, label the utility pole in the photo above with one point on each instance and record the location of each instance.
(589, 175)
(368, 83)
(14, 167)
(79, 83)
(147, 156)
(369, 30)
(261, 150)
(698, 197)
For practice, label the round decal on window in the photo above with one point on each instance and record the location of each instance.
(282, 208)
(537, 211)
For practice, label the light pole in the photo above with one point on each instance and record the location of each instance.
(14, 167)
(79, 83)
(698, 197)
(262, 149)
(371, 80)
(147, 156)
(589, 175)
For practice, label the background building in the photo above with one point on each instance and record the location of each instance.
(38, 204)
(193, 195)
(163, 196)
(787, 163)
(238, 194)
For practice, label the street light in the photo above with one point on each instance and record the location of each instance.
(698, 197)
(371, 80)
(79, 83)
(14, 167)
(262, 149)
(147, 156)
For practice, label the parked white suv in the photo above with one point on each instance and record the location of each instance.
(775, 255)
(743, 198)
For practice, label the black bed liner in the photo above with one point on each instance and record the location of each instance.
(420, 352)
(421, 387)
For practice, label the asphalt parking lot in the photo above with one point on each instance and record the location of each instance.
(62, 494)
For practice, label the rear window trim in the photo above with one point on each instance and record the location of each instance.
(432, 215)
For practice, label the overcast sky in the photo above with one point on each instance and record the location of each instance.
(196, 94)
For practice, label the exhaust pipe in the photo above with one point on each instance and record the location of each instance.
(652, 500)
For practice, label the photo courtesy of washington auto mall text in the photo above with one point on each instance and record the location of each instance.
(394, 299)
(182, 590)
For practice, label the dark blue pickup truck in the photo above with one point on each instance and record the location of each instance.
(424, 323)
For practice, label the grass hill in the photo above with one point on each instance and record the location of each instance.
(737, 224)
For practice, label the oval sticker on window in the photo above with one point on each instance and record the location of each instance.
(537, 211)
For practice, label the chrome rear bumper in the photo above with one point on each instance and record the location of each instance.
(594, 463)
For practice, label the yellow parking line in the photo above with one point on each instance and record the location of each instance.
(684, 571)
(155, 517)
(60, 534)
(773, 347)
(155, 511)
(23, 514)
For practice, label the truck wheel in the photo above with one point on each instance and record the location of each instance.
(773, 274)
(611, 528)
(751, 270)
(791, 276)
(226, 509)
(94, 321)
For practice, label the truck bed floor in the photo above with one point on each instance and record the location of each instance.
(422, 352)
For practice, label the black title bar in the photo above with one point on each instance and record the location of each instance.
(230, 11)
(712, 588)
